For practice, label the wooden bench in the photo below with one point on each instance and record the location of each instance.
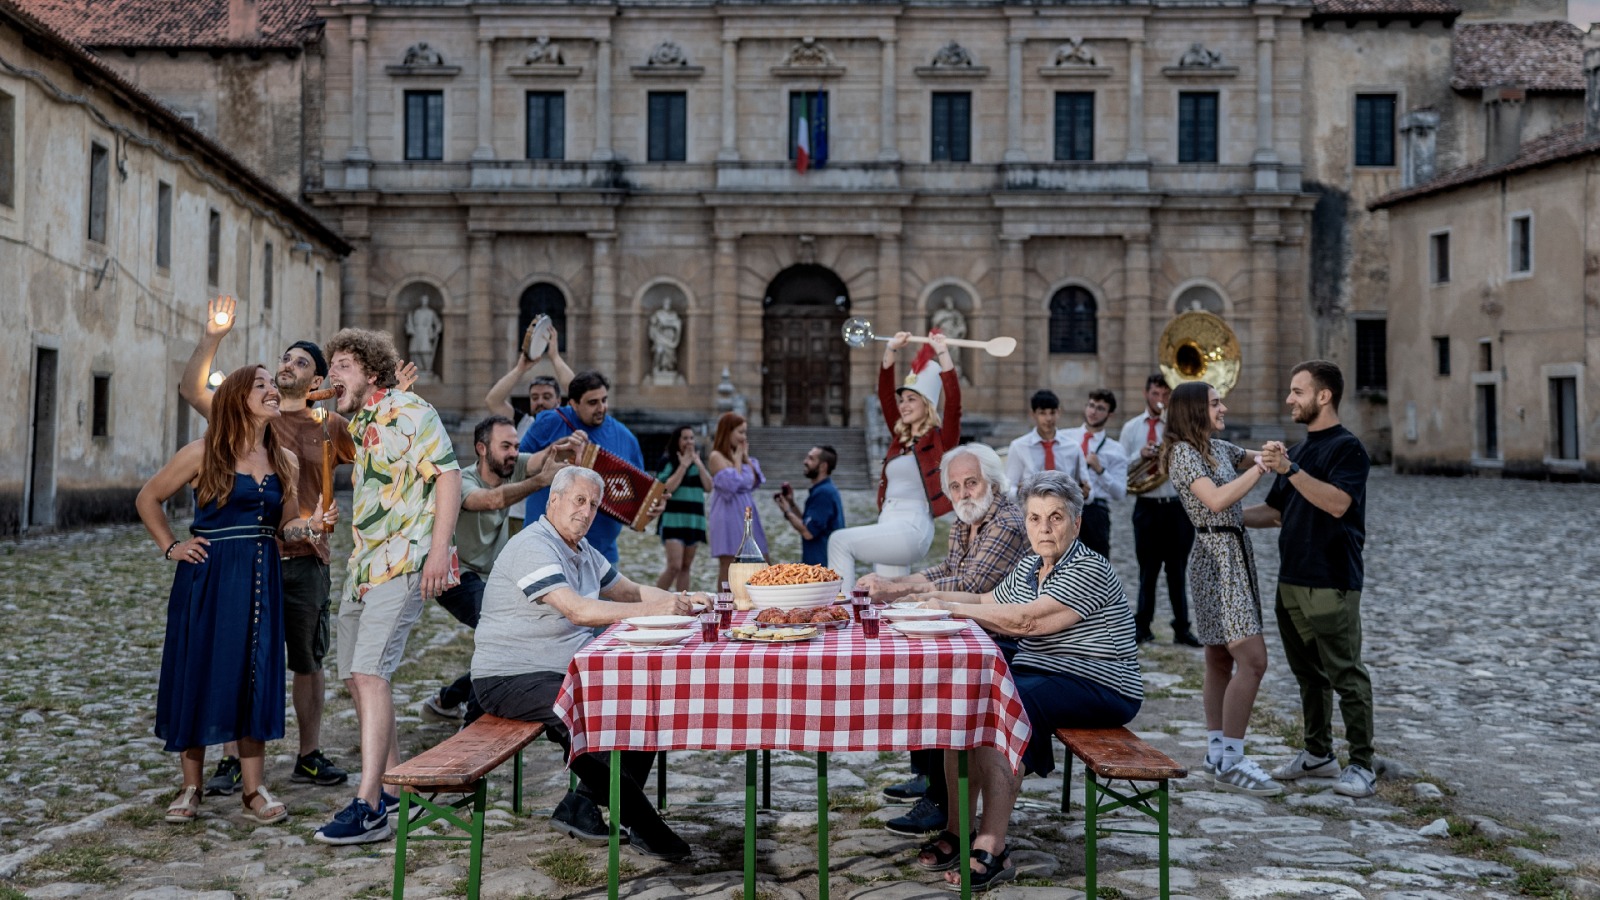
(1117, 754)
(458, 765)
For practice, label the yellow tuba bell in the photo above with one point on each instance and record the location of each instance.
(1196, 346)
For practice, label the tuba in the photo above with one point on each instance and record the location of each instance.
(1196, 346)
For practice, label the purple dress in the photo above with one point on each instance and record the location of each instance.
(730, 497)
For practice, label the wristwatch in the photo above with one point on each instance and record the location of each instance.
(1294, 468)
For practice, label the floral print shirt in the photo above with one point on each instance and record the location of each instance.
(402, 448)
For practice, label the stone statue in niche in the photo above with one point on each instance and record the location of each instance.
(953, 56)
(422, 54)
(949, 320)
(1074, 53)
(1199, 57)
(668, 54)
(666, 333)
(543, 52)
(809, 53)
(424, 328)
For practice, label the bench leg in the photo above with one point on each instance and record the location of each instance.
(400, 845)
(1091, 835)
(661, 781)
(516, 784)
(766, 780)
(750, 825)
(1161, 839)
(822, 826)
(964, 804)
(614, 859)
(1066, 784)
(480, 804)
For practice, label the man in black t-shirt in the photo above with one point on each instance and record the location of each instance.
(1318, 502)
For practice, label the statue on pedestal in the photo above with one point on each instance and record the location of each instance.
(666, 333)
(949, 320)
(424, 328)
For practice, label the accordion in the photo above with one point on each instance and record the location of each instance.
(629, 493)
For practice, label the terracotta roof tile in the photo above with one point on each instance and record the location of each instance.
(1565, 143)
(1385, 9)
(174, 23)
(1539, 56)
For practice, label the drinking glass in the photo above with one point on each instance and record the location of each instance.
(724, 610)
(709, 622)
(869, 621)
(859, 600)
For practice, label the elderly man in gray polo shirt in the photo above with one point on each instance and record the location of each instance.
(548, 589)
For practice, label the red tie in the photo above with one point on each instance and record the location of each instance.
(1086, 443)
(1151, 437)
(1050, 455)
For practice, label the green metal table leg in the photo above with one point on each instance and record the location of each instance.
(400, 845)
(516, 783)
(750, 825)
(822, 826)
(480, 804)
(614, 862)
(964, 803)
(661, 781)
(1161, 823)
(766, 779)
(1091, 827)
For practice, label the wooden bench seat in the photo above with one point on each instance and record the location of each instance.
(460, 764)
(1117, 754)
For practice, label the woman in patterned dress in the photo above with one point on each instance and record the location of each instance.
(1212, 477)
(683, 524)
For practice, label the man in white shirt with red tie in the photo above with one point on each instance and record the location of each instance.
(1044, 448)
(1162, 532)
(1105, 468)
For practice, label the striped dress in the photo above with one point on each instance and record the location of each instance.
(684, 519)
(1100, 648)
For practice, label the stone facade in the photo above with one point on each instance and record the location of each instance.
(746, 245)
(101, 302)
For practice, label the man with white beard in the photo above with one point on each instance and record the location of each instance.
(986, 543)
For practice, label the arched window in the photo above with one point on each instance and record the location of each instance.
(543, 299)
(1199, 297)
(1072, 321)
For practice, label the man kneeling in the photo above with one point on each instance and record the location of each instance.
(539, 607)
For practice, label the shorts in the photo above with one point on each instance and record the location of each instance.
(688, 536)
(305, 613)
(373, 630)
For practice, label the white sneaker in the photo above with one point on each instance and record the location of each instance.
(1248, 778)
(434, 711)
(1208, 770)
(1304, 765)
(1356, 781)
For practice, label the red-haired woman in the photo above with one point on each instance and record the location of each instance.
(735, 475)
(222, 662)
(910, 495)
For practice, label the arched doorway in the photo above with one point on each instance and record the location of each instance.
(805, 366)
(543, 299)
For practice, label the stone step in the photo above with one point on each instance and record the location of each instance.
(782, 452)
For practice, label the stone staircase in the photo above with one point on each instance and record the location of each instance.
(782, 452)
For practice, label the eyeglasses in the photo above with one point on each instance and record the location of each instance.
(297, 362)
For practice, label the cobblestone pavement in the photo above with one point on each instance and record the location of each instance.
(1481, 634)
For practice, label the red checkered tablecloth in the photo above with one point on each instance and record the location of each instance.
(839, 692)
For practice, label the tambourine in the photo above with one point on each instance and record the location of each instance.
(536, 340)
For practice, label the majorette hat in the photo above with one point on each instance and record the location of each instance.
(924, 377)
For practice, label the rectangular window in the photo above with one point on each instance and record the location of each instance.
(214, 248)
(547, 125)
(1372, 354)
(266, 276)
(1488, 423)
(1439, 257)
(101, 418)
(668, 126)
(952, 126)
(1375, 129)
(1197, 127)
(1522, 244)
(1564, 418)
(1441, 355)
(318, 319)
(1074, 126)
(1485, 356)
(8, 150)
(424, 124)
(99, 185)
(163, 225)
(813, 107)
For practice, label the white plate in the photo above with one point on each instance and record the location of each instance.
(652, 637)
(928, 629)
(660, 621)
(913, 615)
(792, 596)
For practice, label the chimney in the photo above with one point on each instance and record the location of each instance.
(244, 21)
(1502, 132)
(1419, 144)
(1591, 81)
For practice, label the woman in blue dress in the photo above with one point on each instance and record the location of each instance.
(222, 662)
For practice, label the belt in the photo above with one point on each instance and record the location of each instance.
(236, 533)
(1155, 500)
(1244, 550)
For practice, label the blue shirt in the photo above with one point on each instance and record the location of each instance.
(824, 514)
(554, 424)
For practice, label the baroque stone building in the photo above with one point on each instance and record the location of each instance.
(117, 221)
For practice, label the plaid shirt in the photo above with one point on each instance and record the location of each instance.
(978, 565)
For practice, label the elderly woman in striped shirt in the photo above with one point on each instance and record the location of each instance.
(1076, 663)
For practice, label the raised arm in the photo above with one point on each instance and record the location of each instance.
(498, 400)
(193, 388)
(563, 371)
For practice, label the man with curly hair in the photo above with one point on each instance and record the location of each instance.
(407, 496)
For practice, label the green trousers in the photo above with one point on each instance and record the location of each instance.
(1321, 632)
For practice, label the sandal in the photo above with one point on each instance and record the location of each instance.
(185, 808)
(996, 870)
(942, 861)
(270, 812)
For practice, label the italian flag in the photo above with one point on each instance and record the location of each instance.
(802, 150)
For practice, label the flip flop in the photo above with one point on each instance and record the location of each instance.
(185, 808)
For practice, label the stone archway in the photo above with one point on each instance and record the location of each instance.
(805, 363)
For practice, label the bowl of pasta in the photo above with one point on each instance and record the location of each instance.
(792, 585)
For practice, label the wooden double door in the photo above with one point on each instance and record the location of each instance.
(805, 367)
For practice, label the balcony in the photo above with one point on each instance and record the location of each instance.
(1077, 176)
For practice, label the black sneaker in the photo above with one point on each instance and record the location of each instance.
(907, 790)
(1187, 639)
(661, 844)
(1143, 637)
(577, 816)
(924, 818)
(314, 768)
(226, 780)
